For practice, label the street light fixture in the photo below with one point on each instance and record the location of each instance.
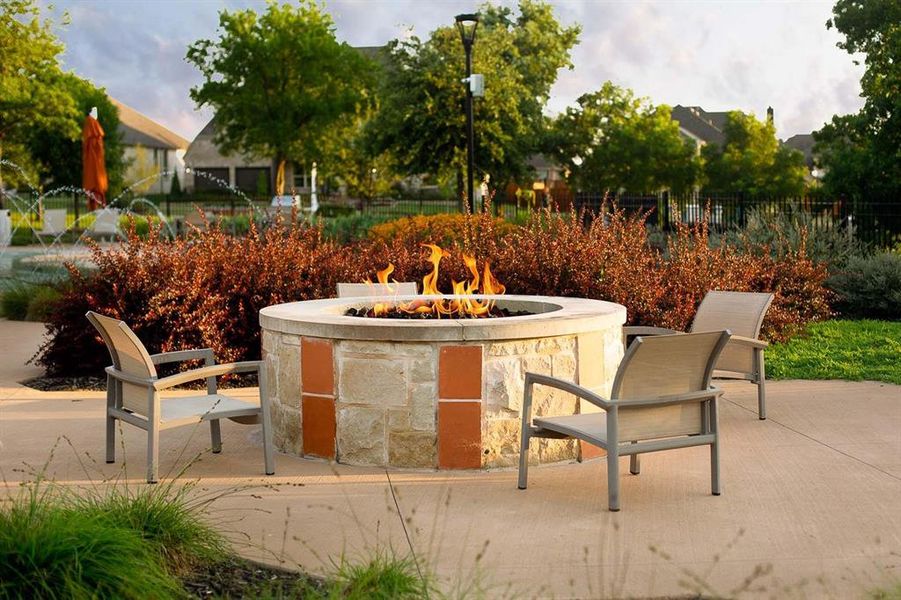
(466, 25)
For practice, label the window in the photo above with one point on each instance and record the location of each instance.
(210, 178)
(254, 181)
(301, 178)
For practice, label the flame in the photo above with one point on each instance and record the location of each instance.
(433, 301)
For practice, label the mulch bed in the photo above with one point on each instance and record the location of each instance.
(239, 578)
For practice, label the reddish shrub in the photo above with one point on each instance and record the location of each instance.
(207, 290)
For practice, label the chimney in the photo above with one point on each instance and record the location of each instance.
(769, 114)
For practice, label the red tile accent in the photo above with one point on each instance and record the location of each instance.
(317, 368)
(319, 426)
(460, 372)
(589, 451)
(459, 435)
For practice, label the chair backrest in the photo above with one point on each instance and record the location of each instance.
(106, 221)
(740, 312)
(129, 356)
(367, 290)
(665, 365)
(54, 221)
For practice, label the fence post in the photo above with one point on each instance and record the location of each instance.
(741, 210)
(75, 204)
(664, 214)
(168, 207)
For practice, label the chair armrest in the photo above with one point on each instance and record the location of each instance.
(204, 372)
(642, 330)
(204, 354)
(568, 386)
(750, 342)
(712, 392)
(142, 381)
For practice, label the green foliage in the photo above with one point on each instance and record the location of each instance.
(861, 153)
(613, 140)
(170, 518)
(31, 94)
(791, 227)
(421, 120)
(175, 188)
(347, 228)
(851, 350)
(752, 160)
(279, 82)
(42, 302)
(58, 152)
(383, 576)
(869, 287)
(50, 550)
(14, 301)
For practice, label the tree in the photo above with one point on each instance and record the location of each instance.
(421, 120)
(752, 160)
(30, 90)
(278, 81)
(57, 150)
(614, 140)
(861, 153)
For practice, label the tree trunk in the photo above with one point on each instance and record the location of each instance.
(280, 178)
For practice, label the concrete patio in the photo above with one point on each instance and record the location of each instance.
(811, 505)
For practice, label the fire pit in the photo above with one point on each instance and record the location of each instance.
(432, 380)
(431, 393)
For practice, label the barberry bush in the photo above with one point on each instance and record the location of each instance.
(206, 290)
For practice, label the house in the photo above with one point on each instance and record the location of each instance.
(802, 142)
(150, 149)
(699, 125)
(210, 169)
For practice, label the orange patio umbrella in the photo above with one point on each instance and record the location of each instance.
(93, 177)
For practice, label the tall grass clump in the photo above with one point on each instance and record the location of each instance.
(170, 519)
(49, 550)
(383, 576)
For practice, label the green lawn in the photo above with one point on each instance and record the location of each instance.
(840, 349)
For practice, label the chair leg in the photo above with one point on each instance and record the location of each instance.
(526, 436)
(111, 385)
(153, 452)
(634, 464)
(216, 436)
(613, 478)
(761, 387)
(524, 459)
(266, 424)
(715, 451)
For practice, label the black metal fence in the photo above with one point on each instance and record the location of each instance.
(876, 222)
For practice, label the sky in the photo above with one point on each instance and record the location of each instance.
(717, 54)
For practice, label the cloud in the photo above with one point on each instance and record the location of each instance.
(717, 55)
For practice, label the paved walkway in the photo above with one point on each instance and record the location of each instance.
(811, 504)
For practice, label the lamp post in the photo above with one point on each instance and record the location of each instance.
(466, 25)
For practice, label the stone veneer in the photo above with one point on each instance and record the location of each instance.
(429, 404)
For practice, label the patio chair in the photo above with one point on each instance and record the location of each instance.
(133, 393)
(54, 223)
(661, 399)
(105, 225)
(741, 313)
(366, 290)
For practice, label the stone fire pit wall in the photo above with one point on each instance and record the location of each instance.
(431, 394)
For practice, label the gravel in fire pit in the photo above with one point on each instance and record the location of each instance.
(394, 313)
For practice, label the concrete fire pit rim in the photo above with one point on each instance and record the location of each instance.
(325, 319)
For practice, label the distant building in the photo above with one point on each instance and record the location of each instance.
(253, 175)
(150, 148)
(697, 124)
(211, 169)
(802, 142)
